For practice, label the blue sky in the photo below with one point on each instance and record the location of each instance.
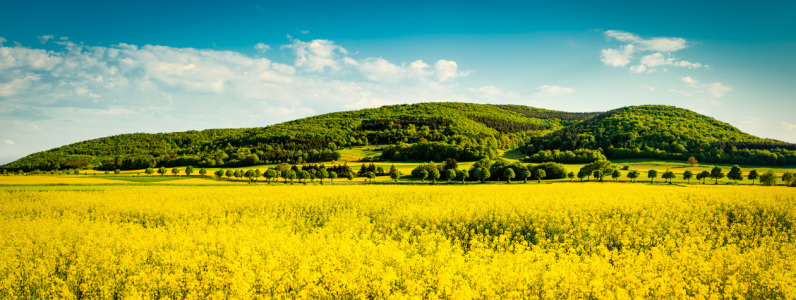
(72, 71)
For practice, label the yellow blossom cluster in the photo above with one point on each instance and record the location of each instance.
(555, 241)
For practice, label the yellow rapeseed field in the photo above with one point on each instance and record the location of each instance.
(400, 242)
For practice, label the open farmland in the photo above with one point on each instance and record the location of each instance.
(458, 242)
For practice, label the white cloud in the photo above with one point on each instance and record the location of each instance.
(43, 39)
(446, 70)
(551, 90)
(491, 92)
(648, 87)
(2, 40)
(10, 142)
(261, 47)
(717, 89)
(788, 126)
(617, 57)
(654, 44)
(661, 46)
(316, 55)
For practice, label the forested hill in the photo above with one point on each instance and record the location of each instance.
(428, 131)
(476, 129)
(664, 132)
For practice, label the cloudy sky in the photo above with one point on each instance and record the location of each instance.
(76, 70)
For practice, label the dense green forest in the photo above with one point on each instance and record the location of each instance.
(432, 131)
(664, 132)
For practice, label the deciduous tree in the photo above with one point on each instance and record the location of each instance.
(752, 176)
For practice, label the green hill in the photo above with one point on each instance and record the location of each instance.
(665, 132)
(430, 131)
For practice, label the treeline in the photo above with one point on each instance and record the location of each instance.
(532, 112)
(439, 151)
(489, 169)
(578, 156)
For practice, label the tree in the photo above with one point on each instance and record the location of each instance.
(687, 175)
(332, 176)
(651, 174)
(202, 172)
(395, 174)
(787, 177)
(571, 176)
(509, 174)
(175, 171)
(312, 174)
(615, 175)
(229, 174)
(703, 176)
(752, 176)
(482, 174)
(668, 175)
(371, 176)
(735, 174)
(423, 175)
(525, 175)
(257, 174)
(633, 175)
(598, 175)
(450, 164)
(350, 176)
(248, 174)
(434, 174)
(149, 171)
(604, 166)
(188, 171)
(717, 174)
(463, 175)
(768, 178)
(539, 174)
(581, 175)
(270, 174)
(292, 175)
(285, 174)
(303, 175)
(380, 170)
(219, 173)
(117, 172)
(692, 161)
(450, 174)
(162, 171)
(322, 174)
(238, 174)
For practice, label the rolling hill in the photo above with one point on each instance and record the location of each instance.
(430, 131)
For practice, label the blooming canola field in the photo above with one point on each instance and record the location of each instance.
(400, 242)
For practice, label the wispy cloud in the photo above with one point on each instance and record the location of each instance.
(43, 39)
(788, 126)
(662, 47)
(262, 47)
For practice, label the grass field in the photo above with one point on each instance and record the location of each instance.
(548, 241)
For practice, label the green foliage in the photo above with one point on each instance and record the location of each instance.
(768, 178)
(667, 132)
(508, 174)
(735, 174)
(717, 174)
(652, 174)
(752, 176)
(539, 174)
(687, 175)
